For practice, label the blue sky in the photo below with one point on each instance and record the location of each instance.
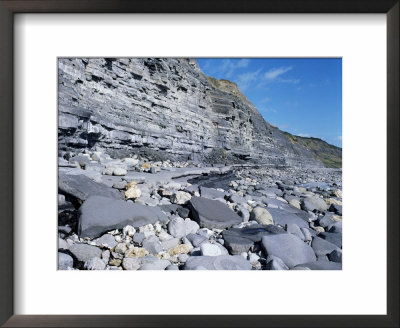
(300, 95)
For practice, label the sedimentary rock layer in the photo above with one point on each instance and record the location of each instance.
(165, 109)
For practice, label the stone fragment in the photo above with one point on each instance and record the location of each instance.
(196, 239)
(152, 245)
(155, 265)
(211, 193)
(132, 192)
(179, 227)
(208, 249)
(180, 197)
(134, 252)
(336, 256)
(62, 244)
(107, 241)
(261, 215)
(129, 263)
(95, 263)
(170, 243)
(118, 171)
(180, 249)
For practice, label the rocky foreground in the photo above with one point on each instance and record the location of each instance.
(133, 214)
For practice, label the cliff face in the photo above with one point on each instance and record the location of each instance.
(165, 109)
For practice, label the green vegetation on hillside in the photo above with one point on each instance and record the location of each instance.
(225, 86)
(329, 155)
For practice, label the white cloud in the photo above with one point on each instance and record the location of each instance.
(265, 100)
(294, 81)
(229, 66)
(304, 135)
(245, 79)
(273, 73)
(338, 138)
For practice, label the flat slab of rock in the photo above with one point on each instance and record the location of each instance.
(82, 187)
(100, 214)
(289, 248)
(223, 262)
(212, 213)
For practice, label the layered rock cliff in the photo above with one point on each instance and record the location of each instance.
(165, 109)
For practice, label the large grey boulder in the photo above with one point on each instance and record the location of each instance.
(223, 262)
(81, 187)
(212, 213)
(289, 248)
(100, 214)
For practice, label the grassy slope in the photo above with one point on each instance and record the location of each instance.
(329, 155)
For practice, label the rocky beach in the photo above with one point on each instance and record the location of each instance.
(164, 168)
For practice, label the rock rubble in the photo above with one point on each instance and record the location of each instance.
(246, 218)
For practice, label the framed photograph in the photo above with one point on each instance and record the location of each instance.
(197, 164)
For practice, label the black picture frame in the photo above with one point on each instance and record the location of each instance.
(10, 7)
